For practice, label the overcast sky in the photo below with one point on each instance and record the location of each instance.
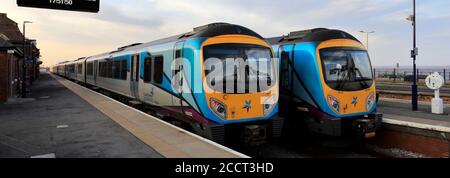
(65, 35)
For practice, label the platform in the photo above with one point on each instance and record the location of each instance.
(62, 119)
(415, 131)
(400, 110)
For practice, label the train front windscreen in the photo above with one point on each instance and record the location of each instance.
(240, 78)
(346, 69)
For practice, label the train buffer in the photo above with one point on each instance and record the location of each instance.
(64, 119)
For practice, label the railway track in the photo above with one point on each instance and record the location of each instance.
(311, 148)
(407, 88)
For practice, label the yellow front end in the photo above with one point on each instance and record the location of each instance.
(240, 106)
(350, 102)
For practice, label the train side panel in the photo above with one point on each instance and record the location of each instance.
(106, 80)
(156, 89)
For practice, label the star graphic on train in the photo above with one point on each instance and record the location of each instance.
(247, 105)
(355, 101)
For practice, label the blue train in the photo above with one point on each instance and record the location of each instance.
(326, 81)
(145, 73)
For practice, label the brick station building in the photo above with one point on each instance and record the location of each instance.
(12, 58)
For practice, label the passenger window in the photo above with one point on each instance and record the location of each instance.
(147, 69)
(177, 53)
(109, 69)
(154, 69)
(123, 69)
(158, 68)
(89, 69)
(80, 68)
(102, 69)
(105, 66)
(116, 69)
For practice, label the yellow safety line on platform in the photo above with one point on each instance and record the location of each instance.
(165, 139)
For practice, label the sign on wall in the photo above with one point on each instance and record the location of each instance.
(71, 5)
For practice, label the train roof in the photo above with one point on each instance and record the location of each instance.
(216, 29)
(311, 35)
(209, 30)
(63, 62)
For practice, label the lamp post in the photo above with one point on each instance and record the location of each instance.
(24, 67)
(414, 54)
(367, 37)
(32, 43)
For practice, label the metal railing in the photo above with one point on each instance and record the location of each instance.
(407, 75)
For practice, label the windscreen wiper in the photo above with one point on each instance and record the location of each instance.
(362, 80)
(341, 83)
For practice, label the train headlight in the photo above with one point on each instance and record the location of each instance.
(370, 101)
(334, 104)
(269, 104)
(218, 108)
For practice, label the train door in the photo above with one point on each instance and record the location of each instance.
(95, 72)
(178, 54)
(286, 64)
(134, 78)
(154, 75)
(285, 52)
(84, 76)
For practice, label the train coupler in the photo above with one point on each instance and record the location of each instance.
(367, 127)
(255, 135)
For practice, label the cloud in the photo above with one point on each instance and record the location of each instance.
(128, 16)
(66, 35)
